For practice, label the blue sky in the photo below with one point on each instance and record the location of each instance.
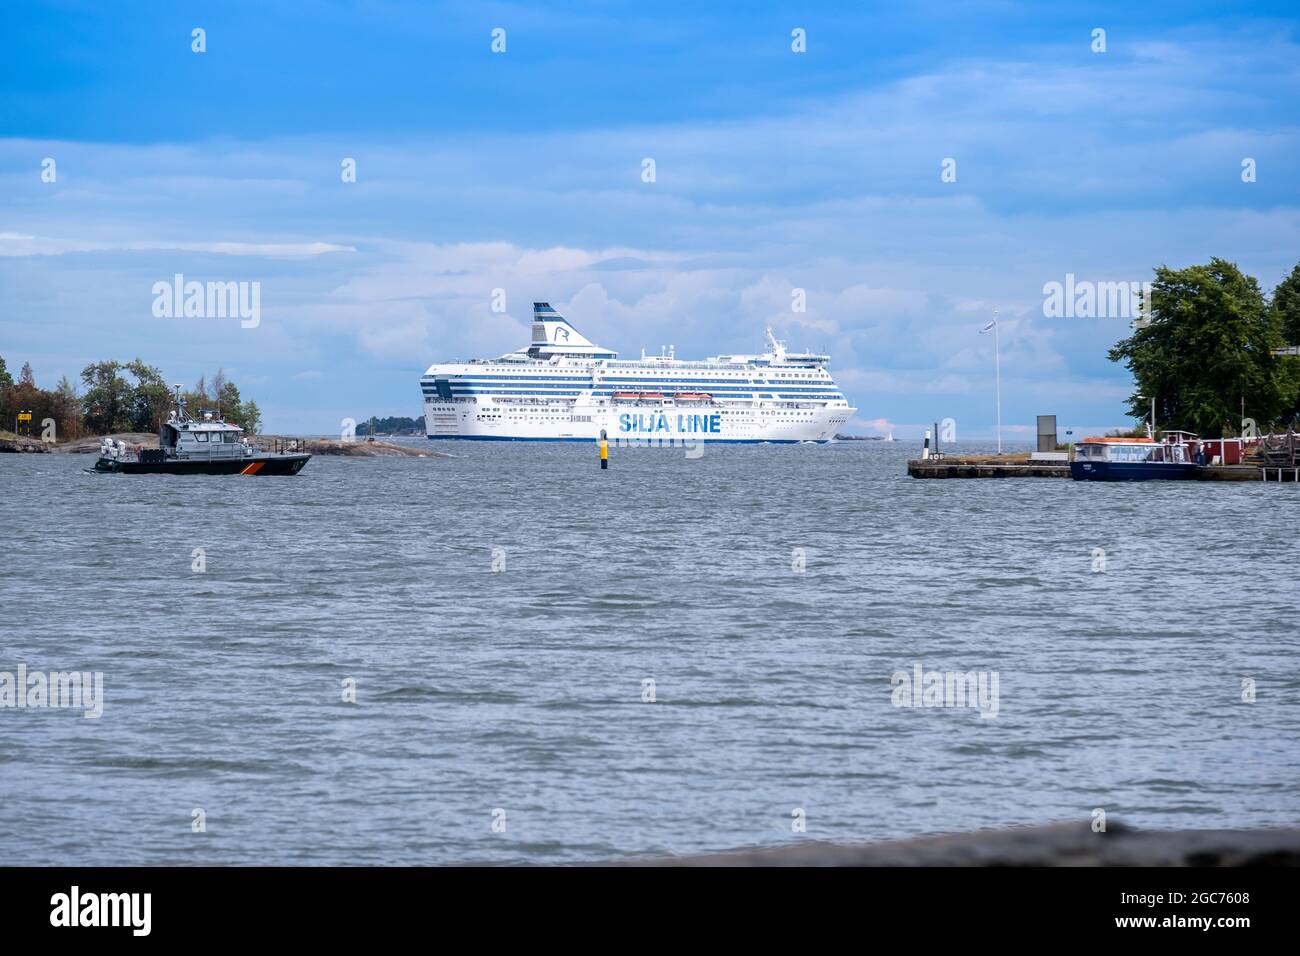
(522, 171)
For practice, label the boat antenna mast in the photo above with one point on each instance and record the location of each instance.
(180, 404)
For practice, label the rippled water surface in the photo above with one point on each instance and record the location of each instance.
(521, 689)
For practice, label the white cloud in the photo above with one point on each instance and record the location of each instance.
(1062, 168)
(18, 244)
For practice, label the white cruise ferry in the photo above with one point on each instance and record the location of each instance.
(562, 387)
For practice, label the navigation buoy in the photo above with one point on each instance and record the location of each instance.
(604, 450)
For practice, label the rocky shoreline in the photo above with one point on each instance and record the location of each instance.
(1058, 844)
(16, 444)
(363, 448)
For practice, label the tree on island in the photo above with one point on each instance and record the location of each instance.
(111, 403)
(1208, 343)
(222, 397)
(66, 406)
(25, 395)
(1286, 307)
(233, 409)
(6, 383)
(393, 425)
(119, 397)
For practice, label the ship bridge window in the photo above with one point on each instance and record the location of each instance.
(200, 436)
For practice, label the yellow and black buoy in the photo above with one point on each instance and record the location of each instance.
(604, 450)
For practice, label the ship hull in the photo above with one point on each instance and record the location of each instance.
(1132, 471)
(257, 465)
(667, 424)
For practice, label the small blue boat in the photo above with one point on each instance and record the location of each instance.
(1132, 459)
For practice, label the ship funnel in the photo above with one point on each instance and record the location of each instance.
(552, 334)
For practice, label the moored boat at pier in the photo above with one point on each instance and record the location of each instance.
(1133, 459)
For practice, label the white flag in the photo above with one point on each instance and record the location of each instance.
(989, 327)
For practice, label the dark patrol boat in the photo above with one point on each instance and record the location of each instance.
(1132, 459)
(203, 446)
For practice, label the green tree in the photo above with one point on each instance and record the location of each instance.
(150, 398)
(250, 417)
(1207, 345)
(230, 403)
(1286, 307)
(6, 383)
(67, 409)
(1286, 316)
(108, 401)
(236, 411)
(25, 396)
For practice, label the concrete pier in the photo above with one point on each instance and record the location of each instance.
(986, 467)
(1234, 473)
(1021, 467)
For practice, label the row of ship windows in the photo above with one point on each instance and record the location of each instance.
(640, 382)
(636, 387)
(494, 416)
(799, 411)
(622, 386)
(468, 396)
(506, 372)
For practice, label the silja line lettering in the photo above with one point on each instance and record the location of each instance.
(663, 422)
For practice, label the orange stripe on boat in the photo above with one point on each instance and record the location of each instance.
(253, 469)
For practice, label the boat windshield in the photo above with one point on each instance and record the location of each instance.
(1131, 452)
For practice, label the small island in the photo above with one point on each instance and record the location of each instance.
(129, 401)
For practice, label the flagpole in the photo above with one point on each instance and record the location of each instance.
(997, 365)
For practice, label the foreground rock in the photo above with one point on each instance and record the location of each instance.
(1058, 844)
(360, 448)
(87, 446)
(18, 445)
